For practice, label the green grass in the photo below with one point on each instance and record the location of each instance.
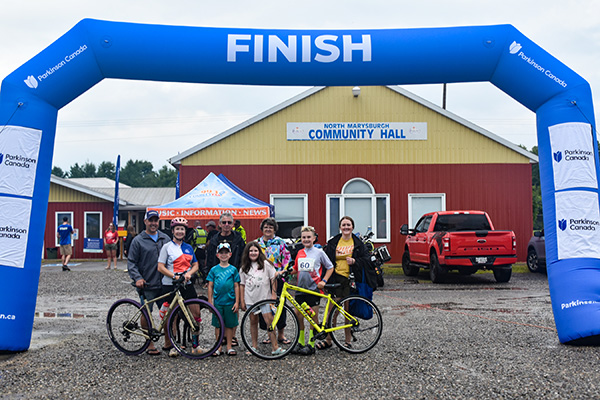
(396, 269)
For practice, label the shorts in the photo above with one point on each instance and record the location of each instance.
(110, 246)
(66, 250)
(265, 309)
(149, 295)
(310, 299)
(187, 292)
(229, 317)
(344, 289)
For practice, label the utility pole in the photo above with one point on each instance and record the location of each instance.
(444, 97)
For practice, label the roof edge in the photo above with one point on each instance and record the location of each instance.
(176, 160)
(83, 189)
(426, 103)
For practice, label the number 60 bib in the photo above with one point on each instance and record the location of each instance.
(306, 264)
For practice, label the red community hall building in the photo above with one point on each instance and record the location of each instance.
(384, 157)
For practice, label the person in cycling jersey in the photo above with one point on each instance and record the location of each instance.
(177, 258)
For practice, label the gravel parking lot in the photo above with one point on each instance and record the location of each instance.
(469, 338)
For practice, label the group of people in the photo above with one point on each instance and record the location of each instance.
(239, 275)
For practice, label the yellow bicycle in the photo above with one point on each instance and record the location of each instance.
(354, 313)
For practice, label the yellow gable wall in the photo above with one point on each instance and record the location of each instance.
(61, 194)
(265, 142)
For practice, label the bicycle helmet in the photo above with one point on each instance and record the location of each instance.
(178, 221)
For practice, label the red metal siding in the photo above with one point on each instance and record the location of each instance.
(503, 190)
(78, 210)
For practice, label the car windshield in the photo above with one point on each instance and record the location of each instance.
(462, 222)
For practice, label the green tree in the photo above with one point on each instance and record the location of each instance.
(536, 193)
(138, 173)
(167, 177)
(57, 171)
(106, 169)
(87, 170)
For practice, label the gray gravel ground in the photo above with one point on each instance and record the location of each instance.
(469, 339)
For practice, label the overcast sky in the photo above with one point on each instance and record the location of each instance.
(155, 120)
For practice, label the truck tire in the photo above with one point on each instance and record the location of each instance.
(502, 275)
(409, 270)
(436, 272)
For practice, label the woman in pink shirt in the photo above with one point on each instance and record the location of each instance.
(111, 240)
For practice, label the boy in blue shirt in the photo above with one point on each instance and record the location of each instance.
(224, 293)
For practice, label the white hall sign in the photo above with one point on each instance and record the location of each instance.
(319, 131)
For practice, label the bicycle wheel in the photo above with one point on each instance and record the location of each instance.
(258, 340)
(124, 327)
(362, 336)
(197, 341)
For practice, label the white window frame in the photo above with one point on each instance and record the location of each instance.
(412, 196)
(303, 196)
(85, 214)
(85, 236)
(58, 223)
(373, 196)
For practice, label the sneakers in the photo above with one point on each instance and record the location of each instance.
(65, 268)
(297, 348)
(173, 352)
(307, 351)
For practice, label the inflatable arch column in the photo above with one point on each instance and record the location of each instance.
(31, 96)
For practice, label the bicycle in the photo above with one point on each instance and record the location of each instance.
(364, 328)
(131, 327)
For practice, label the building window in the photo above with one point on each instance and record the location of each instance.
(369, 210)
(423, 203)
(59, 215)
(92, 231)
(93, 225)
(291, 212)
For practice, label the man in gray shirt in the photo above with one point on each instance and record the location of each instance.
(142, 263)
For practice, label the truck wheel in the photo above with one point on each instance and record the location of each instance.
(502, 275)
(436, 272)
(408, 269)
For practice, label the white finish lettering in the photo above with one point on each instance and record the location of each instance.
(322, 48)
(289, 51)
(365, 47)
(334, 51)
(233, 48)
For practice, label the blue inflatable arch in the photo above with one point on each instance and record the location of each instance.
(93, 50)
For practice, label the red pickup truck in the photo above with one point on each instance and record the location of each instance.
(458, 240)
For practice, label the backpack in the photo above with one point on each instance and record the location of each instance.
(360, 309)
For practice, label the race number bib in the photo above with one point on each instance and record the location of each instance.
(306, 264)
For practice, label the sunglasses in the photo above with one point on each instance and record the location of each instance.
(227, 222)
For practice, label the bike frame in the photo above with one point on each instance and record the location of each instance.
(330, 303)
(152, 332)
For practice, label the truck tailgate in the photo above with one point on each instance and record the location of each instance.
(473, 243)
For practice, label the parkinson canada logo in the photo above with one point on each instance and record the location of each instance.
(10, 232)
(33, 83)
(515, 48)
(557, 156)
(582, 224)
(16, 160)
